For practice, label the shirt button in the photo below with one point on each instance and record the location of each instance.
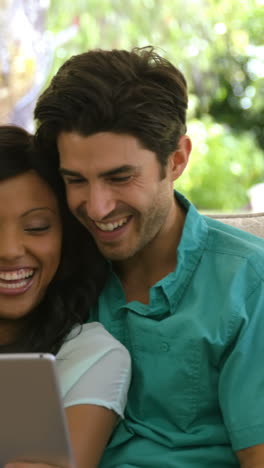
(165, 347)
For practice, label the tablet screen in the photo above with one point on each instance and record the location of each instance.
(32, 425)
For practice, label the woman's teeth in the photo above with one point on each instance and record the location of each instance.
(15, 275)
(21, 284)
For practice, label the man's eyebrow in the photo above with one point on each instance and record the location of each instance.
(112, 172)
(67, 172)
(118, 170)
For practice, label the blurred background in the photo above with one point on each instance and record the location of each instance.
(217, 44)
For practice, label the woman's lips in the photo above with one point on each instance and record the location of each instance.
(16, 281)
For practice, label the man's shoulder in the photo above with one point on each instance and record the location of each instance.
(235, 243)
(233, 237)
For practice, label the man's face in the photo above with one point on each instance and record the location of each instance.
(114, 188)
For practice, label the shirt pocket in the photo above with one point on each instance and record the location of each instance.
(166, 378)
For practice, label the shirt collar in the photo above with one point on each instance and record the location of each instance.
(189, 251)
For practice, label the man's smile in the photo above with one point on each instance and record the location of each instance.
(111, 226)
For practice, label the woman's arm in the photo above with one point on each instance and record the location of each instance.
(90, 427)
(94, 372)
(251, 457)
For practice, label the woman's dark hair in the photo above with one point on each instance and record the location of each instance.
(82, 270)
(138, 93)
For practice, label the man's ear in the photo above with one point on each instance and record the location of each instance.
(178, 160)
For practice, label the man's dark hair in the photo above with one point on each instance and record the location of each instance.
(138, 93)
(82, 270)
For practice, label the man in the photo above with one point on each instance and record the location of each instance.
(185, 293)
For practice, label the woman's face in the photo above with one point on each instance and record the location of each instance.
(30, 243)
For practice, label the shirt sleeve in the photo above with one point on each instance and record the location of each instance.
(241, 385)
(94, 368)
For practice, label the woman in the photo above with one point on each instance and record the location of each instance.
(50, 274)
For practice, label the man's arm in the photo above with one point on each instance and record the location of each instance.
(251, 457)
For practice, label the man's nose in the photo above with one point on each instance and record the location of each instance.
(100, 202)
(11, 246)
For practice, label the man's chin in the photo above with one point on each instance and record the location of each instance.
(116, 255)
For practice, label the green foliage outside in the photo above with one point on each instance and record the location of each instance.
(218, 44)
(221, 167)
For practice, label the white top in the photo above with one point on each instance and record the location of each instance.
(94, 368)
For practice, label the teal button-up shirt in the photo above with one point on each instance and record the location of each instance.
(197, 392)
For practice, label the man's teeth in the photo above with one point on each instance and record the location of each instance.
(15, 275)
(111, 226)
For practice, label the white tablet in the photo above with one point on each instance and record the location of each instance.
(32, 421)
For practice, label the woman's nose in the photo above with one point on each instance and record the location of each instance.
(11, 246)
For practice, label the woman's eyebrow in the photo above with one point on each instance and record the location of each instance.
(40, 208)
